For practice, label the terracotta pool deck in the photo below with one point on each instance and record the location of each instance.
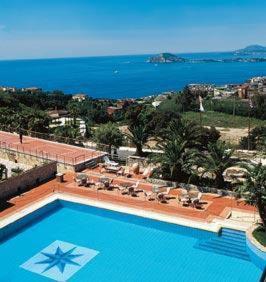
(45, 149)
(214, 207)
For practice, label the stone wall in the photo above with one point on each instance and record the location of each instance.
(185, 186)
(27, 180)
(31, 160)
(21, 157)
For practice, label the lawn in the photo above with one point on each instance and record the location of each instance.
(218, 119)
(260, 235)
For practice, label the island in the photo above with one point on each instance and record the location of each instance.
(251, 50)
(166, 58)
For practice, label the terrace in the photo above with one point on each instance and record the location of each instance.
(215, 209)
(38, 150)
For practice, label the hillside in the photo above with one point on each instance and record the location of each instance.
(251, 49)
(166, 58)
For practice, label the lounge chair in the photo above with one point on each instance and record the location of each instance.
(195, 202)
(136, 185)
(103, 183)
(149, 195)
(120, 172)
(134, 189)
(81, 179)
(127, 172)
(167, 193)
(89, 182)
(184, 198)
(146, 173)
(108, 162)
(161, 197)
(123, 188)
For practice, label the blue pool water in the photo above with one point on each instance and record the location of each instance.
(124, 76)
(66, 241)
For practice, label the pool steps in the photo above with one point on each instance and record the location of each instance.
(229, 242)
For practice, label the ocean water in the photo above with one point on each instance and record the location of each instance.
(123, 76)
(109, 246)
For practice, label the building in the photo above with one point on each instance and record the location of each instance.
(258, 85)
(8, 89)
(79, 97)
(224, 91)
(111, 110)
(55, 114)
(243, 91)
(31, 90)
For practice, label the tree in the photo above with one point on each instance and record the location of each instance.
(138, 135)
(187, 131)
(188, 100)
(209, 135)
(180, 150)
(217, 159)
(74, 110)
(139, 118)
(108, 134)
(16, 171)
(257, 139)
(160, 121)
(34, 120)
(67, 134)
(2, 171)
(176, 161)
(253, 190)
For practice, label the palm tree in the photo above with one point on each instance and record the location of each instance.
(253, 190)
(74, 110)
(217, 159)
(188, 132)
(180, 153)
(138, 135)
(177, 160)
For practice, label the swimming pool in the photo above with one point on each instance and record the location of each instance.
(66, 241)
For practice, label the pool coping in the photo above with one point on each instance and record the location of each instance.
(213, 226)
(253, 240)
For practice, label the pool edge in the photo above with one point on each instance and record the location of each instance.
(214, 226)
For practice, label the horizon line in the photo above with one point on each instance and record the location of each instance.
(114, 55)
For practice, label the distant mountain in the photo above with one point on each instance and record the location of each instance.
(166, 58)
(251, 49)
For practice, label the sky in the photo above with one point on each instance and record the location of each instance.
(76, 28)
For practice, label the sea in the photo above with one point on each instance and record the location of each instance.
(125, 76)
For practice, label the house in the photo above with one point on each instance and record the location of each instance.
(55, 114)
(62, 118)
(31, 90)
(257, 86)
(201, 89)
(160, 98)
(111, 110)
(8, 89)
(243, 91)
(224, 91)
(79, 97)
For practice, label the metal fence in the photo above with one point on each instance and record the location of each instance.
(44, 156)
(80, 142)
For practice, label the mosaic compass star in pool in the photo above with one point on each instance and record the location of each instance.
(60, 260)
